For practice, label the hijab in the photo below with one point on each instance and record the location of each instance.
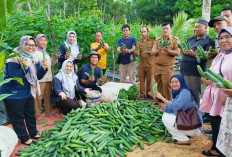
(37, 41)
(182, 86)
(68, 80)
(74, 46)
(31, 75)
(228, 30)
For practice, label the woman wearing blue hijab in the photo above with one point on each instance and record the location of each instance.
(183, 99)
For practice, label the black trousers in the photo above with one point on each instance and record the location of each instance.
(215, 122)
(19, 110)
(67, 105)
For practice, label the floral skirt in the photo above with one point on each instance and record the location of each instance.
(224, 140)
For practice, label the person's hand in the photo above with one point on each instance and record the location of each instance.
(91, 79)
(68, 54)
(125, 51)
(212, 55)
(103, 79)
(63, 95)
(79, 57)
(190, 53)
(206, 81)
(148, 52)
(100, 46)
(137, 53)
(227, 91)
(44, 64)
(25, 62)
(88, 91)
(57, 55)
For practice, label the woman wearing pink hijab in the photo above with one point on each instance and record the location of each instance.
(45, 82)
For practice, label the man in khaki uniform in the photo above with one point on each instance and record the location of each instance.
(164, 60)
(146, 63)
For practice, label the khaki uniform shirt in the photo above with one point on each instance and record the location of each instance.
(145, 60)
(163, 58)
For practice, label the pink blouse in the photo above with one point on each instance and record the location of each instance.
(211, 100)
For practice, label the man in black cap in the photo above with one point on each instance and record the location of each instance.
(91, 82)
(189, 63)
(218, 23)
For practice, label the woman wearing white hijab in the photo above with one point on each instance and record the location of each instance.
(73, 54)
(66, 88)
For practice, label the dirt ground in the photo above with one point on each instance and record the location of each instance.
(163, 149)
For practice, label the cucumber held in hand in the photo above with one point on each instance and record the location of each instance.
(44, 55)
(219, 77)
(201, 71)
(87, 74)
(144, 48)
(211, 77)
(198, 56)
(155, 88)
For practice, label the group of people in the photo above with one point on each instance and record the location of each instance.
(216, 101)
(34, 67)
(175, 92)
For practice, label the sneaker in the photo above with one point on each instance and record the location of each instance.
(142, 97)
(208, 132)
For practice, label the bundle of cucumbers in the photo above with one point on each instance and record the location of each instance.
(218, 79)
(200, 54)
(123, 94)
(184, 46)
(123, 47)
(163, 43)
(68, 49)
(106, 130)
(133, 92)
(102, 43)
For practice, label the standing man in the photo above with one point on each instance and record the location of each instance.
(126, 58)
(164, 60)
(218, 23)
(227, 12)
(146, 63)
(189, 62)
(101, 49)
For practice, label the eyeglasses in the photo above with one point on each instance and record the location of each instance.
(227, 38)
(30, 45)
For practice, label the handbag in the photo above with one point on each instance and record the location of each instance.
(188, 119)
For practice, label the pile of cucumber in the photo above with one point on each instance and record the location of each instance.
(218, 79)
(107, 130)
(184, 46)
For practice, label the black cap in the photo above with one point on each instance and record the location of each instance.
(218, 18)
(95, 53)
(202, 21)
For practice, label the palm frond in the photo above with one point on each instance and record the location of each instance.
(178, 22)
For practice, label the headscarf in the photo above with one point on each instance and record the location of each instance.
(182, 86)
(37, 41)
(74, 46)
(68, 80)
(228, 30)
(31, 76)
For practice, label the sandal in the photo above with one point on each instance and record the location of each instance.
(208, 153)
(28, 144)
(40, 119)
(181, 142)
(36, 137)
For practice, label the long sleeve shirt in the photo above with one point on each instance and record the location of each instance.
(183, 101)
(58, 88)
(17, 90)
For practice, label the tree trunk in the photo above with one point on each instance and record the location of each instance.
(206, 6)
(206, 9)
(29, 5)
